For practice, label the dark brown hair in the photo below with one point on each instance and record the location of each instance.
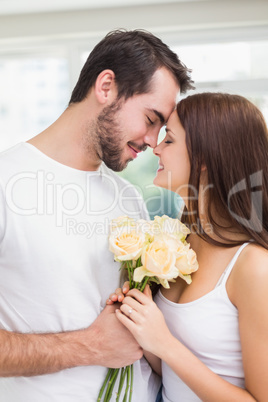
(227, 134)
(133, 56)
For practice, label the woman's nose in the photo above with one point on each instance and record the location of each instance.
(156, 150)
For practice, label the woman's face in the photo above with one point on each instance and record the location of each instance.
(174, 164)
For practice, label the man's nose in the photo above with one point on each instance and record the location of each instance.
(151, 138)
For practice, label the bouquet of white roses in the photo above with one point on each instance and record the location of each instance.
(150, 251)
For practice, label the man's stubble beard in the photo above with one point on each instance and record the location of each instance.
(108, 137)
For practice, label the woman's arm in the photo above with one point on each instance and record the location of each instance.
(248, 290)
(148, 326)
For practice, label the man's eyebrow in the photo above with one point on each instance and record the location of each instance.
(160, 116)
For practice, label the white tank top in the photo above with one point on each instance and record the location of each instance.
(209, 328)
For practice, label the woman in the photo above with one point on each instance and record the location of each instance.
(212, 344)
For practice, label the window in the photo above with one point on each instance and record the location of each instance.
(34, 92)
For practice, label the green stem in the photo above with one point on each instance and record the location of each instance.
(129, 268)
(144, 283)
(104, 384)
(111, 385)
(127, 387)
(138, 263)
(131, 382)
(121, 382)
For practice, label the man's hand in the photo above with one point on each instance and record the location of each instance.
(115, 345)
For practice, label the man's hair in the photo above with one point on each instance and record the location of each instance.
(227, 134)
(133, 56)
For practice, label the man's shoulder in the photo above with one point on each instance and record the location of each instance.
(14, 159)
(9, 152)
(18, 152)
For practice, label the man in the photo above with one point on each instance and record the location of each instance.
(58, 195)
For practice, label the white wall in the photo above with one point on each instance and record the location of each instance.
(181, 21)
(177, 23)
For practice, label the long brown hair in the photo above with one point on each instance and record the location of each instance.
(227, 134)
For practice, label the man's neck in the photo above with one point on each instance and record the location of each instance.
(63, 141)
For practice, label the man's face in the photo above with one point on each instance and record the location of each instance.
(125, 128)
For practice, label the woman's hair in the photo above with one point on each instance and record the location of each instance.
(227, 134)
(133, 56)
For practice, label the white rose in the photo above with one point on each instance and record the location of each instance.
(186, 263)
(127, 244)
(173, 227)
(119, 224)
(158, 260)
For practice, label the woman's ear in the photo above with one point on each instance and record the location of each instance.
(105, 87)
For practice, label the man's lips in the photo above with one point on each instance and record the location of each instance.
(135, 149)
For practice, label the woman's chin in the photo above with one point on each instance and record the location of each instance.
(158, 183)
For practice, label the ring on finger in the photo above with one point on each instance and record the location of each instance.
(130, 311)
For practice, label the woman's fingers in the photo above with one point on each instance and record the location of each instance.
(136, 307)
(128, 311)
(142, 298)
(130, 303)
(118, 295)
(147, 291)
(125, 287)
(129, 324)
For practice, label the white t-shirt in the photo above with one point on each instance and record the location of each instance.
(209, 328)
(55, 267)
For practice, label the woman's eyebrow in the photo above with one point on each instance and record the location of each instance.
(169, 131)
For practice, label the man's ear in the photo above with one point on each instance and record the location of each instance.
(105, 87)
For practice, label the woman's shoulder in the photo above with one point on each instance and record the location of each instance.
(253, 255)
(250, 273)
(252, 262)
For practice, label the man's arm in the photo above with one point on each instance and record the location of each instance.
(105, 343)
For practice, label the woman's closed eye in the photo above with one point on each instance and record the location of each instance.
(168, 140)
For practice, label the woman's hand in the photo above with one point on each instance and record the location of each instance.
(118, 295)
(144, 320)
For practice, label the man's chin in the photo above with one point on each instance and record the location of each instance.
(123, 166)
(117, 166)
